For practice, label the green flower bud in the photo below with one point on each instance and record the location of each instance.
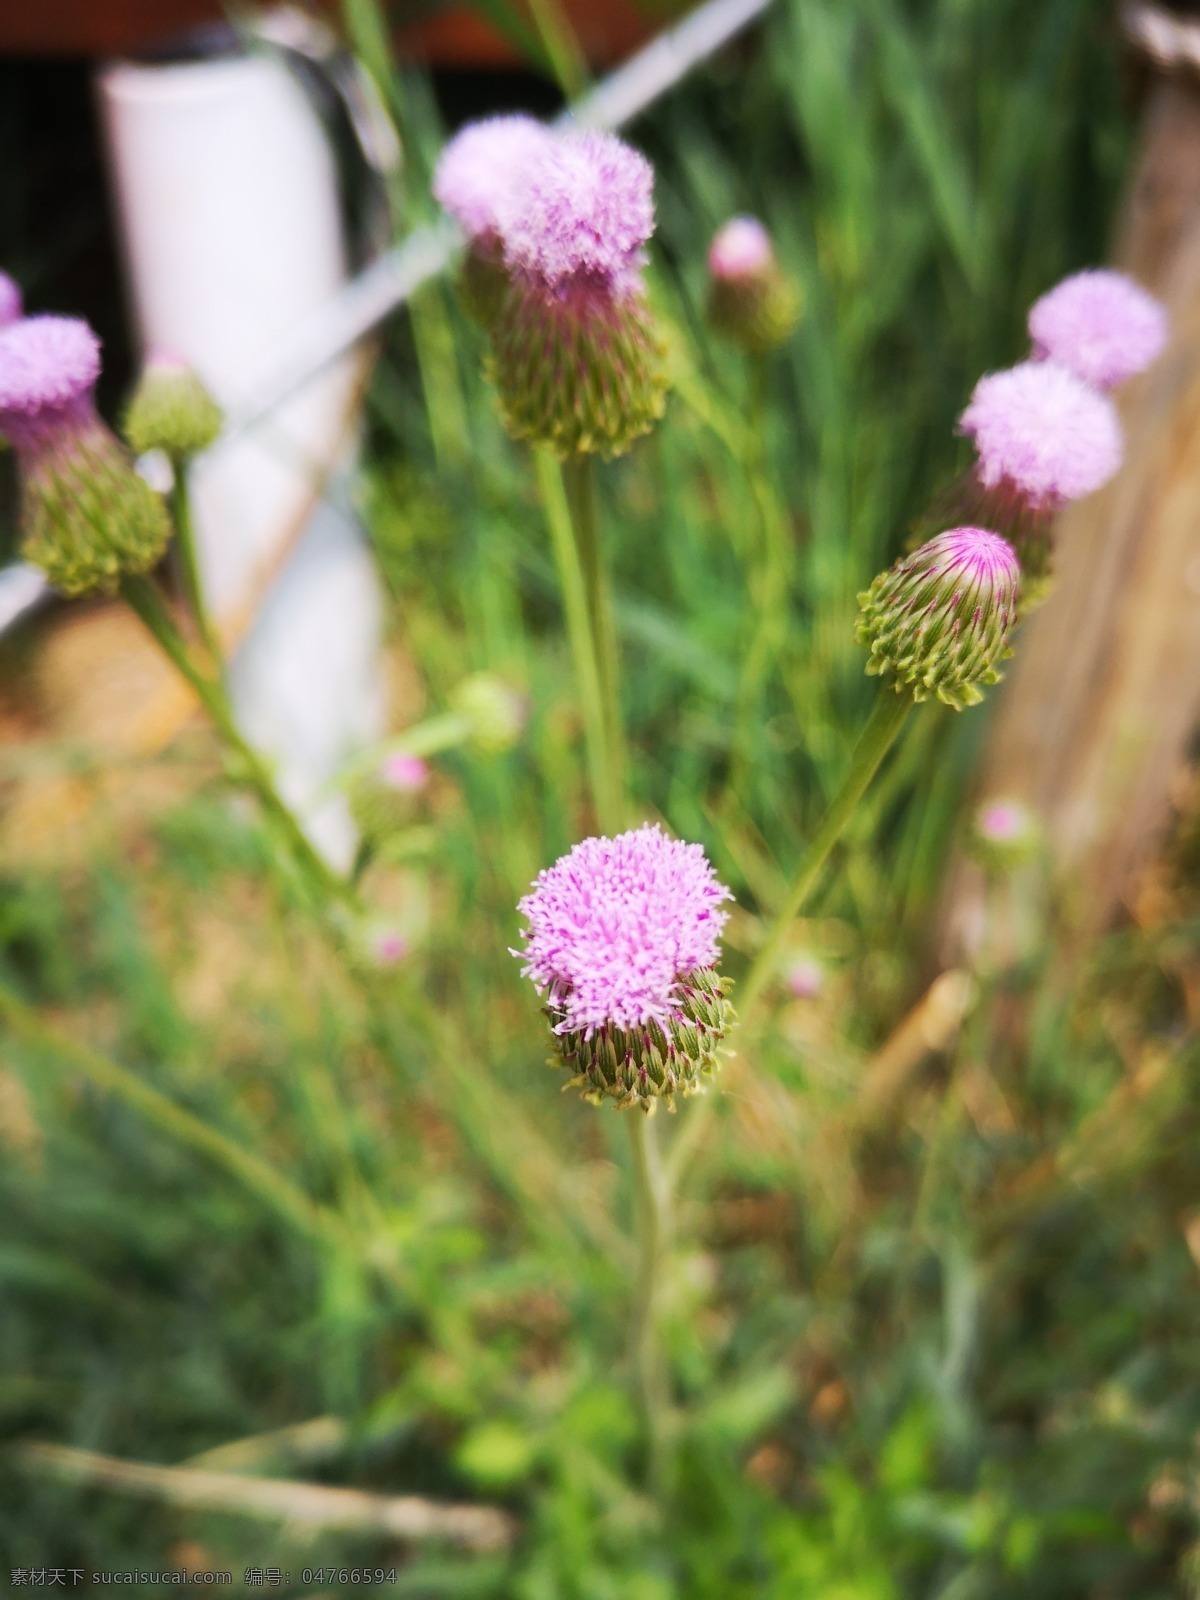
(171, 410)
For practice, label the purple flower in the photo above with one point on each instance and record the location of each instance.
(1002, 821)
(11, 304)
(1042, 435)
(582, 212)
(405, 772)
(86, 516)
(1100, 325)
(48, 369)
(740, 249)
(805, 978)
(480, 166)
(615, 925)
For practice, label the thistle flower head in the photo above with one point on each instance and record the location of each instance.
(479, 168)
(1004, 834)
(405, 772)
(750, 298)
(1100, 325)
(938, 621)
(11, 303)
(171, 410)
(86, 516)
(496, 711)
(582, 212)
(805, 978)
(622, 937)
(1042, 434)
(48, 369)
(740, 249)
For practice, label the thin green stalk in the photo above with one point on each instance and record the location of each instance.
(185, 543)
(255, 1174)
(884, 723)
(882, 726)
(652, 1217)
(601, 770)
(146, 601)
(579, 482)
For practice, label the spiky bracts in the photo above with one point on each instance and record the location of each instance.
(581, 372)
(86, 515)
(937, 623)
(661, 1059)
(171, 410)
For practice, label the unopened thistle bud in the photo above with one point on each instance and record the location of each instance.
(475, 176)
(498, 712)
(1004, 835)
(750, 298)
(11, 304)
(1100, 325)
(382, 802)
(171, 410)
(937, 623)
(1042, 438)
(622, 939)
(575, 355)
(86, 515)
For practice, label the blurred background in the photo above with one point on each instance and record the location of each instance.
(274, 1229)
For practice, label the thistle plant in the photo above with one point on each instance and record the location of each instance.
(11, 302)
(751, 300)
(1100, 325)
(171, 410)
(87, 518)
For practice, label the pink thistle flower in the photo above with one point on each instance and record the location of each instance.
(11, 304)
(1100, 325)
(1004, 834)
(750, 299)
(575, 355)
(740, 249)
(582, 212)
(405, 772)
(48, 369)
(805, 978)
(938, 621)
(1042, 435)
(388, 947)
(479, 168)
(86, 515)
(622, 937)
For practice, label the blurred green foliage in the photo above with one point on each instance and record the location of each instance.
(951, 1351)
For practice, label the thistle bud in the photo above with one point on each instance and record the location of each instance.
(622, 939)
(1100, 325)
(1004, 835)
(473, 182)
(11, 304)
(171, 410)
(938, 621)
(382, 802)
(497, 711)
(750, 298)
(86, 515)
(575, 355)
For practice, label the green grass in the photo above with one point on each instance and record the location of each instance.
(949, 1354)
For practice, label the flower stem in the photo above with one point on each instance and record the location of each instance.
(185, 542)
(602, 773)
(882, 726)
(579, 482)
(652, 1215)
(146, 601)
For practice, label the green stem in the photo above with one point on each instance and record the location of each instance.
(579, 481)
(601, 772)
(652, 1215)
(146, 601)
(884, 723)
(185, 543)
(183, 1126)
